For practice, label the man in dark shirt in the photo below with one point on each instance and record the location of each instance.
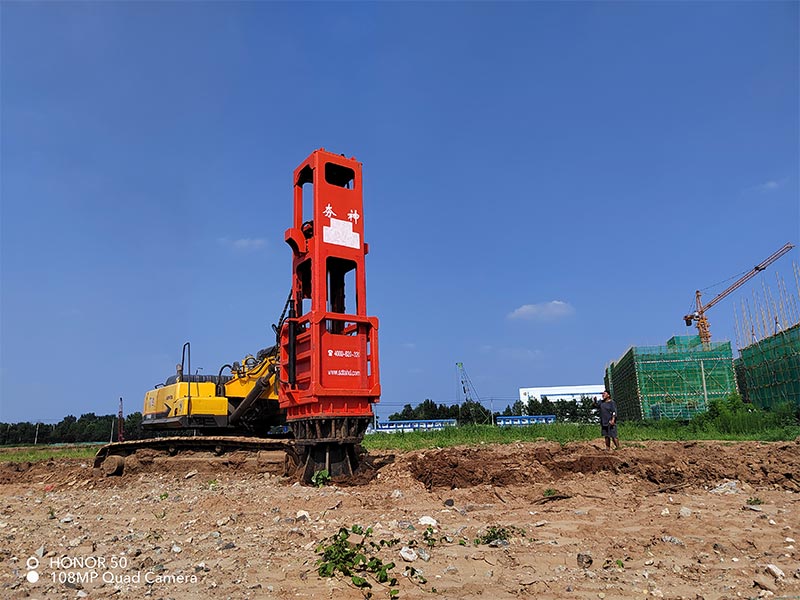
(608, 420)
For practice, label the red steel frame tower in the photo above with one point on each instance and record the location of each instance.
(329, 346)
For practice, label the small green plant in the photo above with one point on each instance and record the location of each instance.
(321, 478)
(549, 492)
(755, 501)
(496, 533)
(154, 535)
(610, 564)
(429, 536)
(213, 484)
(163, 514)
(163, 496)
(357, 560)
(415, 575)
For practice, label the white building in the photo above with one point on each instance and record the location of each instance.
(563, 392)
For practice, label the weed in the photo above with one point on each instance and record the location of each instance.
(496, 533)
(549, 492)
(610, 564)
(154, 535)
(415, 575)
(213, 484)
(429, 536)
(321, 478)
(357, 560)
(755, 501)
(163, 514)
(163, 496)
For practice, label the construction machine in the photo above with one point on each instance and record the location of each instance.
(699, 315)
(305, 402)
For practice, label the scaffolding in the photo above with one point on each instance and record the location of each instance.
(675, 381)
(768, 336)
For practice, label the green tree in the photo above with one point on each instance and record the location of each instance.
(133, 426)
(566, 410)
(427, 410)
(65, 431)
(534, 406)
(548, 408)
(406, 414)
(518, 409)
(474, 413)
(586, 412)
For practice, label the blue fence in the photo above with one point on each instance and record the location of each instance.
(439, 424)
(415, 425)
(524, 420)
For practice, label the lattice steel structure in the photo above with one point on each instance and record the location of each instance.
(768, 335)
(675, 381)
(770, 369)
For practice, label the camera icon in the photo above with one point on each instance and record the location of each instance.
(32, 564)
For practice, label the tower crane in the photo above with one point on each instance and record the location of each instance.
(699, 315)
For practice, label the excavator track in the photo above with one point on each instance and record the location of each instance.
(274, 456)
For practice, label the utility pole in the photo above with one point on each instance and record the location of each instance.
(36, 435)
(120, 422)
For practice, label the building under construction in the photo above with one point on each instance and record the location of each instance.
(681, 379)
(768, 335)
(675, 381)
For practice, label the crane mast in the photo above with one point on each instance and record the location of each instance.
(699, 315)
(470, 393)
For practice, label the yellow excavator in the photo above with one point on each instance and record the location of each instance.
(244, 401)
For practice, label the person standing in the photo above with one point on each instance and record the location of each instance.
(608, 420)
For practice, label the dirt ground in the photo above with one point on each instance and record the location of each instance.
(666, 520)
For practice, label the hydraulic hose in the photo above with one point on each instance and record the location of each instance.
(220, 385)
(260, 385)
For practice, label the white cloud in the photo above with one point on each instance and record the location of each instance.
(243, 244)
(769, 186)
(521, 354)
(513, 353)
(544, 311)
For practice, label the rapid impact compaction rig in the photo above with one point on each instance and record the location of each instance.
(321, 378)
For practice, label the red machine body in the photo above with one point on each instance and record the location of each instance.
(328, 345)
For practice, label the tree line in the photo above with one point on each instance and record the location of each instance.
(471, 412)
(90, 427)
(70, 430)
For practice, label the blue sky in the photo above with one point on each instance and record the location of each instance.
(546, 184)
